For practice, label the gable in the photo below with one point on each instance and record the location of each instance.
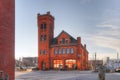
(64, 38)
(63, 34)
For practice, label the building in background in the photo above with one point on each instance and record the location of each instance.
(92, 64)
(29, 61)
(26, 63)
(7, 39)
(111, 63)
(61, 52)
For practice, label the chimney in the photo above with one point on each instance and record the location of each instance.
(78, 40)
(48, 12)
(85, 46)
(38, 14)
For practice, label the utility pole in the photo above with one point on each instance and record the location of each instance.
(117, 56)
(117, 59)
(95, 61)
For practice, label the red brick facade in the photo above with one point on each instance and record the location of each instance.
(7, 37)
(63, 52)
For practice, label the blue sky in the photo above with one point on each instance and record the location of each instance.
(97, 22)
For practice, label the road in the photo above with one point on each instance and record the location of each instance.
(63, 75)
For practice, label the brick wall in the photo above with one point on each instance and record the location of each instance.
(7, 37)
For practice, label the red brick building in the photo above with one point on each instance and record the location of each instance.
(63, 51)
(7, 37)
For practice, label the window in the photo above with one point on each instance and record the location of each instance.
(63, 40)
(43, 26)
(67, 50)
(66, 41)
(63, 51)
(40, 51)
(44, 52)
(55, 51)
(72, 50)
(43, 37)
(59, 51)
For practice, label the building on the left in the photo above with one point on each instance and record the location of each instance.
(7, 39)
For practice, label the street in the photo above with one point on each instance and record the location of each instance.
(63, 75)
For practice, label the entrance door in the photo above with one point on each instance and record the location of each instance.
(58, 64)
(70, 63)
(43, 65)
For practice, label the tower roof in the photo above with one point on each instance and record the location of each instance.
(47, 14)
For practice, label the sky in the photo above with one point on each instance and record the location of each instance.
(97, 22)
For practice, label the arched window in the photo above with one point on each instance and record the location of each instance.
(43, 26)
(59, 51)
(63, 51)
(55, 51)
(72, 50)
(67, 50)
(40, 51)
(44, 52)
(63, 41)
(43, 37)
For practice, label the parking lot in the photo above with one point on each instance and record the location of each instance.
(63, 75)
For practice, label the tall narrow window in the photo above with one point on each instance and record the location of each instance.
(44, 37)
(55, 51)
(68, 50)
(41, 37)
(59, 51)
(63, 40)
(43, 26)
(63, 51)
(40, 51)
(72, 50)
(44, 52)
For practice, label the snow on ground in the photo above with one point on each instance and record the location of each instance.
(63, 75)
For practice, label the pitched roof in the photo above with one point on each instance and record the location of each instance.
(73, 40)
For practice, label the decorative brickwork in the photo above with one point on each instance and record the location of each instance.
(62, 52)
(7, 37)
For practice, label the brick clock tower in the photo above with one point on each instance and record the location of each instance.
(7, 39)
(45, 36)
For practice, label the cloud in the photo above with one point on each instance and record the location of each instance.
(107, 42)
(108, 25)
(108, 36)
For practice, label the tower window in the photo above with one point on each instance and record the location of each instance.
(40, 51)
(43, 26)
(44, 52)
(43, 37)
